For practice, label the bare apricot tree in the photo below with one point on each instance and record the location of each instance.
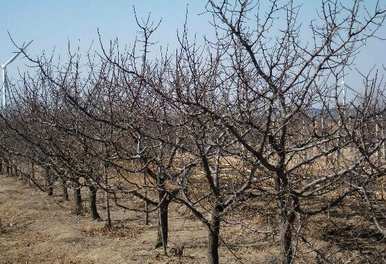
(258, 111)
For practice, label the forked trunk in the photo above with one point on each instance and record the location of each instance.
(286, 231)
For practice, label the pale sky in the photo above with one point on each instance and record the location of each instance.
(52, 23)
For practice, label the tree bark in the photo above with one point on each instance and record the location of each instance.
(78, 200)
(32, 176)
(286, 230)
(13, 169)
(146, 202)
(8, 168)
(214, 235)
(93, 202)
(49, 179)
(108, 211)
(65, 190)
(286, 206)
(16, 171)
(163, 223)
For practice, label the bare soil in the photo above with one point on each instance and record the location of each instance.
(35, 228)
(40, 229)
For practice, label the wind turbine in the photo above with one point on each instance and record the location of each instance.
(343, 85)
(5, 84)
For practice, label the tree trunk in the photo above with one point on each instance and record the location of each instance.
(93, 202)
(78, 200)
(65, 190)
(163, 223)
(286, 230)
(16, 172)
(108, 211)
(146, 203)
(213, 236)
(32, 176)
(8, 168)
(49, 179)
(13, 170)
(108, 220)
(286, 205)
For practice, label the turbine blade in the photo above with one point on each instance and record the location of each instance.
(11, 60)
(17, 54)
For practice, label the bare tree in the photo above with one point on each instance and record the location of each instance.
(252, 113)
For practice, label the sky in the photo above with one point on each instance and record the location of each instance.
(51, 24)
(54, 23)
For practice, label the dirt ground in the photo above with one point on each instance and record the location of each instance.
(35, 228)
(40, 229)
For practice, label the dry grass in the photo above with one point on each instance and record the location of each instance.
(39, 229)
